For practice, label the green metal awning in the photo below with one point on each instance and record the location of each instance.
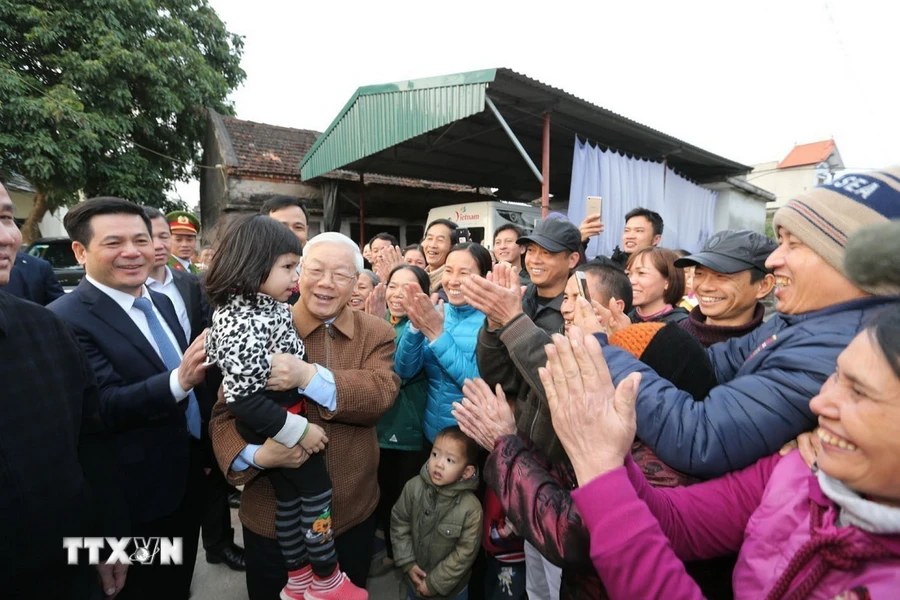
(380, 116)
(440, 129)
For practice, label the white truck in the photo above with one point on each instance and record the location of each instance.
(479, 220)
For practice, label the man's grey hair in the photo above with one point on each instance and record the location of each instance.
(333, 237)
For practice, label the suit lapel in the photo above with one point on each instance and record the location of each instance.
(165, 307)
(184, 288)
(105, 308)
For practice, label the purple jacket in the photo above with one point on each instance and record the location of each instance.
(770, 510)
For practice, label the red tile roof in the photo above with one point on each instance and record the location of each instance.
(268, 149)
(807, 154)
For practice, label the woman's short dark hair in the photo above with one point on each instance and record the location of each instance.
(422, 277)
(663, 260)
(885, 331)
(479, 253)
(249, 248)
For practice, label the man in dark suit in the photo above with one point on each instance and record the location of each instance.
(32, 278)
(146, 374)
(54, 454)
(187, 295)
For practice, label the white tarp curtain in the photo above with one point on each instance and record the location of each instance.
(626, 183)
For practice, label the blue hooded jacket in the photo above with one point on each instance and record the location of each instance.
(448, 361)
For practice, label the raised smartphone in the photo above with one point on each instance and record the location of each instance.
(582, 285)
(593, 205)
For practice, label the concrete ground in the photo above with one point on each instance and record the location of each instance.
(218, 582)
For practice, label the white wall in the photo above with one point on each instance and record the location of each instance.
(50, 226)
(784, 183)
(736, 209)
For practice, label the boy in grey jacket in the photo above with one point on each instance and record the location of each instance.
(436, 523)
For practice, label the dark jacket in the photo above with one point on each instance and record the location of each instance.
(546, 315)
(401, 427)
(766, 379)
(511, 357)
(199, 314)
(56, 462)
(136, 404)
(32, 278)
(619, 257)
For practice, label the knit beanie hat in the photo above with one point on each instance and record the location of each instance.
(635, 338)
(873, 258)
(672, 352)
(825, 217)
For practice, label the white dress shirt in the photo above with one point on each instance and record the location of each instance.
(169, 288)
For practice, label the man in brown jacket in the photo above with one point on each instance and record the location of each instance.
(350, 371)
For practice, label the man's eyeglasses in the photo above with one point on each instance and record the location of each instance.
(339, 279)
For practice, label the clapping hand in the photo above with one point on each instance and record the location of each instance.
(375, 304)
(482, 415)
(498, 296)
(425, 316)
(594, 420)
(387, 259)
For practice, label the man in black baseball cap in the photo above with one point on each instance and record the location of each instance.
(552, 250)
(730, 279)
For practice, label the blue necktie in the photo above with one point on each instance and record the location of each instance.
(171, 359)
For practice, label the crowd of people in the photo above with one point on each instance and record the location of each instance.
(515, 422)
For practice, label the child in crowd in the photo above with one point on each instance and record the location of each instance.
(504, 553)
(436, 523)
(252, 275)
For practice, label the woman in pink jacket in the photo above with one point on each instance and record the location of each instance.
(829, 533)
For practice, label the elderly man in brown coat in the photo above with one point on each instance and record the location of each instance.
(349, 370)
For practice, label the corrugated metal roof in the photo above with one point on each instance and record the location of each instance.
(438, 129)
(380, 116)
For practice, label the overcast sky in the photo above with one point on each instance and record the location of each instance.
(745, 80)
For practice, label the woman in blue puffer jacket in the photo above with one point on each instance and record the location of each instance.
(442, 338)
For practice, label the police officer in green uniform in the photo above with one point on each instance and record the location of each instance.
(185, 227)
